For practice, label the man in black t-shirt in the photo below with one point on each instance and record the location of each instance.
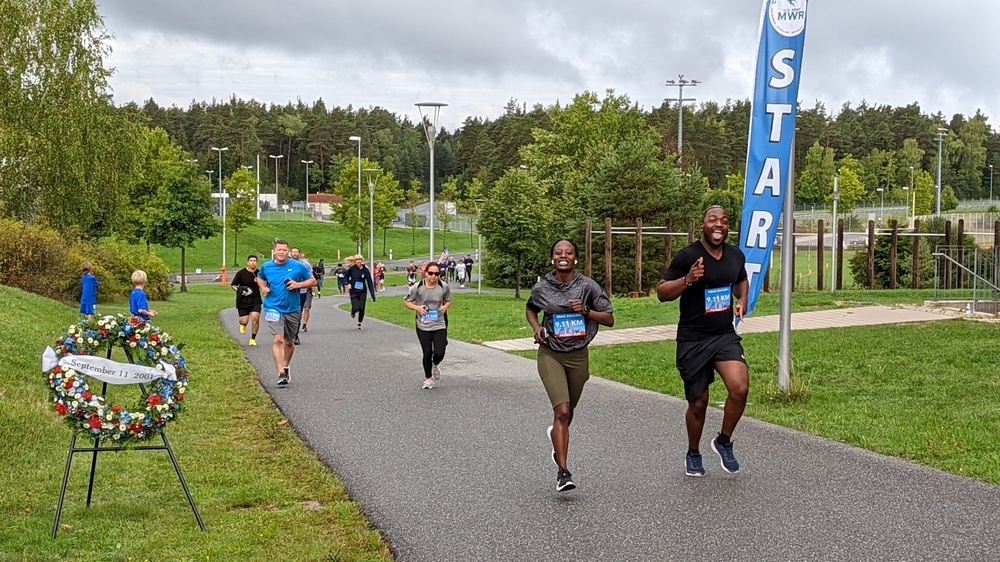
(248, 301)
(710, 278)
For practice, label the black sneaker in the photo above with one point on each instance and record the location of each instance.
(564, 481)
(353, 314)
(725, 452)
(304, 328)
(283, 379)
(297, 342)
(693, 466)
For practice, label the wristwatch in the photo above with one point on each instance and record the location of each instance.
(586, 310)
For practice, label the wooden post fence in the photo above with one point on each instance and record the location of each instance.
(892, 254)
(871, 254)
(947, 263)
(915, 282)
(607, 256)
(638, 256)
(961, 254)
(819, 255)
(840, 254)
(588, 262)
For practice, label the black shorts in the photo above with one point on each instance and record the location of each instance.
(696, 360)
(246, 311)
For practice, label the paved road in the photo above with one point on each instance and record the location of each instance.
(463, 473)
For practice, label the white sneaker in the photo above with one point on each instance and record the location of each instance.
(549, 431)
(436, 372)
(428, 384)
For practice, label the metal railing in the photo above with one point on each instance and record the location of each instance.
(968, 273)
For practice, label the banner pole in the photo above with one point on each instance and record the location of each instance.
(787, 278)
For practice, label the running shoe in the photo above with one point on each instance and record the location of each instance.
(564, 481)
(283, 379)
(353, 314)
(436, 372)
(252, 342)
(359, 325)
(725, 452)
(297, 342)
(553, 446)
(693, 466)
(243, 329)
(304, 329)
(428, 384)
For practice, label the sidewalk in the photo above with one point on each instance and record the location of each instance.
(837, 318)
(462, 472)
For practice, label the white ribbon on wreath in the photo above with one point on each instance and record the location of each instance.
(106, 370)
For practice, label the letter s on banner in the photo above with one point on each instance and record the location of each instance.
(772, 124)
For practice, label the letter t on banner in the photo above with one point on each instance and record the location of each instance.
(772, 125)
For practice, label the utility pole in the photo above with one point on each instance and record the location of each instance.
(680, 83)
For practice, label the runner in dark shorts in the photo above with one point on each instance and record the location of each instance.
(573, 305)
(280, 280)
(248, 298)
(710, 278)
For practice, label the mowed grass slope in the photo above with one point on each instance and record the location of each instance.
(316, 239)
(924, 392)
(262, 494)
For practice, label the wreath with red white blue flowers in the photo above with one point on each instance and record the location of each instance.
(88, 413)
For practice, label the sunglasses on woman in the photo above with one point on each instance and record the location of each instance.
(434, 273)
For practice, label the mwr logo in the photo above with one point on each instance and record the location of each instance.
(788, 17)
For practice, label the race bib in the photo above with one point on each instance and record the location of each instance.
(359, 285)
(431, 316)
(568, 325)
(718, 299)
(271, 315)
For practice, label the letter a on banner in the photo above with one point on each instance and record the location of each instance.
(772, 125)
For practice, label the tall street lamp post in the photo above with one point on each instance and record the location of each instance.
(372, 174)
(307, 162)
(906, 204)
(210, 172)
(991, 184)
(276, 158)
(940, 131)
(430, 131)
(680, 83)
(222, 198)
(357, 139)
(913, 210)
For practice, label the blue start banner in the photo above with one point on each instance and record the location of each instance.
(772, 126)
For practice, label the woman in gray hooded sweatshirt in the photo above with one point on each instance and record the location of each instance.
(574, 305)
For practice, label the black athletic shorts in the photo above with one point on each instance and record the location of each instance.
(246, 311)
(696, 360)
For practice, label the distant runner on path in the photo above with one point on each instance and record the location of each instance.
(710, 278)
(248, 301)
(574, 305)
(360, 284)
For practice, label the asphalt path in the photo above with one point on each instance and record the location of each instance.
(463, 472)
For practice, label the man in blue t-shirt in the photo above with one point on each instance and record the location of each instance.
(280, 280)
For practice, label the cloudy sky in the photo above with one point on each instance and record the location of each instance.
(476, 55)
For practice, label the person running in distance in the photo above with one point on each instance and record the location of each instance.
(360, 284)
(574, 306)
(460, 273)
(248, 301)
(138, 303)
(710, 278)
(305, 295)
(411, 274)
(88, 290)
(319, 272)
(340, 272)
(279, 280)
(431, 300)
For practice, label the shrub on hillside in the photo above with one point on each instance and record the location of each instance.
(42, 261)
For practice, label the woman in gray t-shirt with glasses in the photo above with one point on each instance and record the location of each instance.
(431, 299)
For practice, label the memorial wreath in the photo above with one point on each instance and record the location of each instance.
(79, 354)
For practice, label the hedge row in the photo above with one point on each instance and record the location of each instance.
(45, 262)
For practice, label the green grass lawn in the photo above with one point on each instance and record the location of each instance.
(262, 494)
(316, 239)
(924, 392)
